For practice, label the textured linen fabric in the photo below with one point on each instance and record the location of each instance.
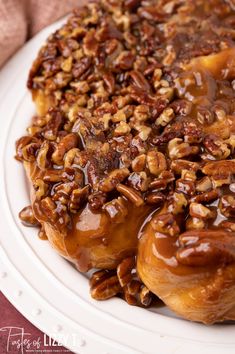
(22, 19)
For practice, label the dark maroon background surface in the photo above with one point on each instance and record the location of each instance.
(10, 317)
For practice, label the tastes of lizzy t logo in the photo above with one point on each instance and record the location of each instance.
(18, 339)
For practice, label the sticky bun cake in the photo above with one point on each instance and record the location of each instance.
(130, 157)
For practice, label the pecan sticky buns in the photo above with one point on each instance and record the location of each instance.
(132, 148)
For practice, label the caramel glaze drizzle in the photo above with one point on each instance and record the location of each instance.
(194, 248)
(205, 84)
(199, 82)
(215, 244)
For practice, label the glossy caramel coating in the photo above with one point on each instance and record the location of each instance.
(93, 240)
(200, 289)
(135, 138)
(194, 272)
(95, 243)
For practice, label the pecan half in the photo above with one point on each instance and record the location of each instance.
(124, 270)
(67, 143)
(113, 179)
(216, 146)
(166, 224)
(206, 197)
(27, 217)
(130, 194)
(217, 168)
(227, 205)
(156, 162)
(104, 285)
(178, 149)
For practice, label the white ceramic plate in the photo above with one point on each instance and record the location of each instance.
(45, 288)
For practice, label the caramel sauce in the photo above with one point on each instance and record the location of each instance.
(220, 66)
(199, 80)
(159, 251)
(95, 240)
(176, 64)
(198, 83)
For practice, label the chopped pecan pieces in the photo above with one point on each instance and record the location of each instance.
(41, 188)
(124, 270)
(113, 179)
(156, 162)
(166, 224)
(185, 186)
(161, 183)
(139, 181)
(177, 203)
(216, 147)
(97, 200)
(78, 198)
(43, 158)
(134, 128)
(155, 198)
(67, 143)
(138, 164)
(204, 184)
(178, 149)
(165, 117)
(50, 131)
(227, 205)
(116, 210)
(193, 223)
(197, 210)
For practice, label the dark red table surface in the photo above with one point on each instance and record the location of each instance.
(16, 324)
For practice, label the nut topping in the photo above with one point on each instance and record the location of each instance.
(165, 117)
(178, 149)
(116, 210)
(165, 223)
(104, 285)
(135, 121)
(113, 179)
(124, 271)
(197, 210)
(227, 205)
(27, 217)
(156, 162)
(130, 194)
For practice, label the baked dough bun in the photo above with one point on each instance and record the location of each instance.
(133, 147)
(193, 273)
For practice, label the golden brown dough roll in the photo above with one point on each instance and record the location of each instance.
(193, 273)
(92, 239)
